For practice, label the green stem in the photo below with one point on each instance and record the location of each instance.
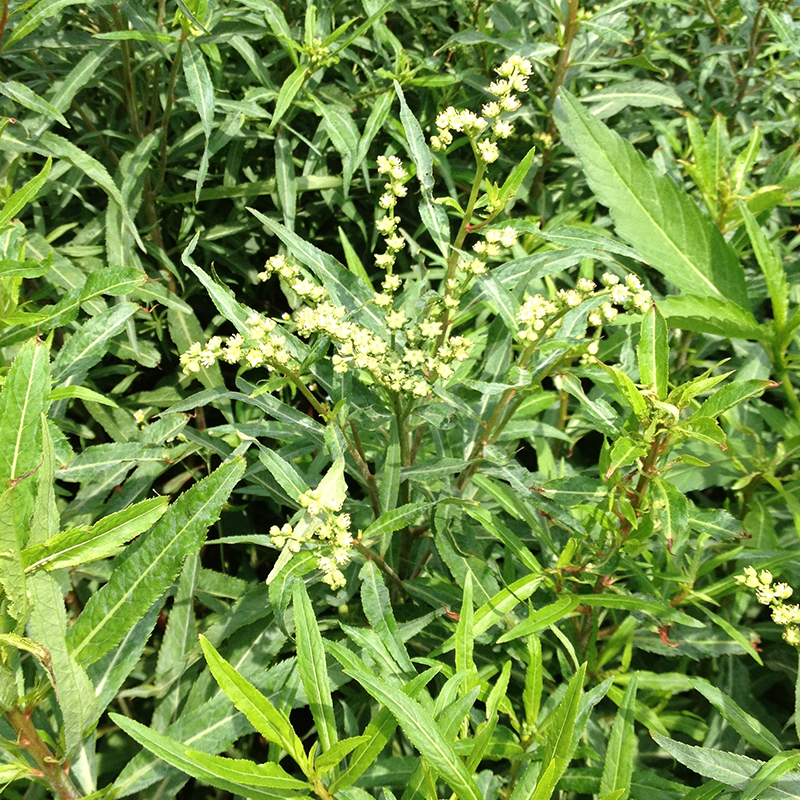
(52, 771)
(463, 230)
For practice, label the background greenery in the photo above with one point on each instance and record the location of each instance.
(567, 580)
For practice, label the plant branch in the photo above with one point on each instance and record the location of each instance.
(52, 771)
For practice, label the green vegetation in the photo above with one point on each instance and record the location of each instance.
(399, 400)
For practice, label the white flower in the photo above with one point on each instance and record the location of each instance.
(395, 320)
(502, 129)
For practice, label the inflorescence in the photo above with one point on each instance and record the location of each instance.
(774, 595)
(331, 529)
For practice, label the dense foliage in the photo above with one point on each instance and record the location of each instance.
(399, 399)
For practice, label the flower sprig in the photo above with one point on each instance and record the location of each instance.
(334, 540)
(484, 131)
(541, 317)
(774, 595)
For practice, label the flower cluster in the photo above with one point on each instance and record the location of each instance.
(392, 167)
(774, 595)
(331, 528)
(539, 316)
(263, 346)
(514, 75)
(411, 371)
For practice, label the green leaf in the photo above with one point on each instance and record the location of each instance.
(284, 473)
(394, 520)
(80, 393)
(291, 86)
(26, 97)
(777, 766)
(641, 94)
(37, 14)
(247, 773)
(728, 768)
(653, 353)
(543, 617)
(624, 453)
(653, 214)
(560, 726)
(25, 395)
(655, 607)
(465, 635)
(12, 574)
(192, 762)
(331, 758)
(29, 268)
(621, 751)
(285, 179)
(83, 545)
(88, 345)
(505, 535)
(515, 178)
(271, 723)
(198, 81)
(771, 267)
(423, 732)
(46, 520)
(733, 632)
(150, 564)
(731, 395)
(95, 461)
(224, 299)
(748, 727)
(313, 667)
(343, 135)
(137, 36)
(25, 195)
(378, 611)
(61, 148)
(417, 147)
(74, 692)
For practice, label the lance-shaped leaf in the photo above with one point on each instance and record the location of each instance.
(313, 666)
(226, 774)
(618, 767)
(650, 212)
(198, 81)
(25, 195)
(653, 353)
(83, 545)
(88, 346)
(74, 692)
(270, 722)
(24, 397)
(12, 574)
(424, 732)
(148, 566)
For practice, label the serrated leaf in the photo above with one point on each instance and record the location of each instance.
(653, 214)
(732, 395)
(313, 668)
(150, 564)
(542, 618)
(25, 195)
(618, 767)
(74, 692)
(12, 574)
(271, 723)
(88, 345)
(27, 98)
(653, 353)
(624, 453)
(423, 732)
(198, 764)
(291, 86)
(747, 726)
(378, 611)
(83, 545)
